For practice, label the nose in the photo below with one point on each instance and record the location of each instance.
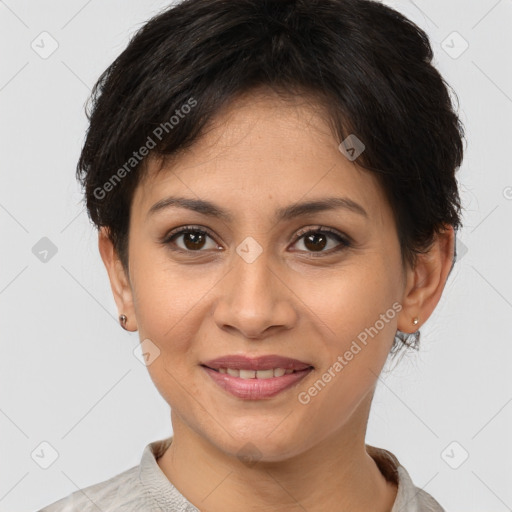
(254, 300)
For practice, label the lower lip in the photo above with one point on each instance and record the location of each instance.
(255, 389)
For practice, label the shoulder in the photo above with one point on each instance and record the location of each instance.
(409, 498)
(413, 496)
(122, 492)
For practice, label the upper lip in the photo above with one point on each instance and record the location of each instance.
(256, 363)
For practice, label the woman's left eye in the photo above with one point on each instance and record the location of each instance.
(316, 240)
(194, 239)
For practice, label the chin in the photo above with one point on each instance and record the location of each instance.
(260, 442)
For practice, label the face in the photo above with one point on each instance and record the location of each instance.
(321, 286)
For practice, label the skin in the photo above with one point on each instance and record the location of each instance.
(261, 154)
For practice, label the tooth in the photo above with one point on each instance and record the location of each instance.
(258, 374)
(265, 374)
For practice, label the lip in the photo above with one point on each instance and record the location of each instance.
(255, 389)
(238, 362)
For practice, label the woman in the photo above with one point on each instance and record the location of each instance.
(274, 187)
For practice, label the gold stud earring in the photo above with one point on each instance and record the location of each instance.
(415, 321)
(122, 321)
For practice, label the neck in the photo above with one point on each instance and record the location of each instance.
(335, 474)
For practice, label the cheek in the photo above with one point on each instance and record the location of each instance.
(358, 314)
(364, 326)
(168, 298)
(353, 298)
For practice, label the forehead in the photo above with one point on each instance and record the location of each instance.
(262, 146)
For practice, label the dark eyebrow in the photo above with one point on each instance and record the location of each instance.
(320, 205)
(286, 213)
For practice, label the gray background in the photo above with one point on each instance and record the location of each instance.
(69, 376)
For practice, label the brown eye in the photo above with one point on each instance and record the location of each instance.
(315, 241)
(192, 239)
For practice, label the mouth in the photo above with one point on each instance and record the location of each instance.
(256, 378)
(260, 363)
(256, 374)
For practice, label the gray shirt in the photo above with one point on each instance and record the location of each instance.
(145, 487)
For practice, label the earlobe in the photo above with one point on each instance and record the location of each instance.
(425, 283)
(119, 281)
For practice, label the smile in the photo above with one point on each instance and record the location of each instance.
(255, 374)
(256, 384)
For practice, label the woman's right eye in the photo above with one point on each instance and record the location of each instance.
(192, 239)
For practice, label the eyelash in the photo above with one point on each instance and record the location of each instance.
(345, 240)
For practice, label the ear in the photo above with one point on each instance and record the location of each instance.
(119, 281)
(425, 282)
